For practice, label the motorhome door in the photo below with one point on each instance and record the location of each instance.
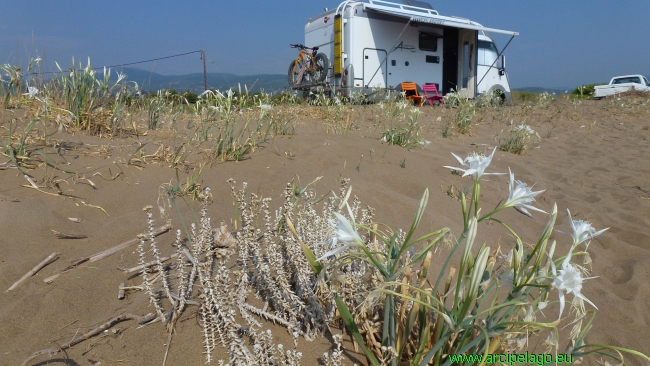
(467, 41)
(375, 68)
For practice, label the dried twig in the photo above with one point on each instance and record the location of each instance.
(31, 182)
(6, 165)
(169, 342)
(121, 292)
(147, 265)
(33, 185)
(40, 190)
(60, 235)
(101, 255)
(38, 267)
(104, 254)
(94, 206)
(120, 318)
(112, 177)
(72, 266)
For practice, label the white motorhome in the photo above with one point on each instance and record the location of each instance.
(379, 44)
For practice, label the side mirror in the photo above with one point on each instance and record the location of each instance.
(502, 65)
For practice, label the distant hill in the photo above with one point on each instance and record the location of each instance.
(537, 89)
(151, 81)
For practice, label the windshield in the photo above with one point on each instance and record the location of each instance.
(487, 53)
(631, 79)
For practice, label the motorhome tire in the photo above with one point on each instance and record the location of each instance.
(500, 97)
(322, 67)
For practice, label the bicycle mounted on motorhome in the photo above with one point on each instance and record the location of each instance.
(308, 67)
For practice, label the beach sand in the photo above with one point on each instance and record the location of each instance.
(592, 158)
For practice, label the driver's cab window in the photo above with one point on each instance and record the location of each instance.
(646, 82)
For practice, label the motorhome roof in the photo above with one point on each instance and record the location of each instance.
(427, 16)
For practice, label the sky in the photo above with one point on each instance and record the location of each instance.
(562, 44)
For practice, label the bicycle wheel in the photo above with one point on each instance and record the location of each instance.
(295, 69)
(321, 66)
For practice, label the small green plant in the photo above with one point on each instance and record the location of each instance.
(279, 122)
(447, 124)
(545, 99)
(15, 82)
(155, 106)
(83, 93)
(16, 151)
(405, 135)
(232, 144)
(518, 140)
(465, 110)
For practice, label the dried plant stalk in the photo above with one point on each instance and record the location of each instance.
(33, 271)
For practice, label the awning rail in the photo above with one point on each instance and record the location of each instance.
(423, 15)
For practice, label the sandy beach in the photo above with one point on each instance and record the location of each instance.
(591, 158)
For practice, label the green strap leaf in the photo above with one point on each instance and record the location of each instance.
(352, 326)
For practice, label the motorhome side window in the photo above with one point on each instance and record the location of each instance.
(487, 53)
(428, 42)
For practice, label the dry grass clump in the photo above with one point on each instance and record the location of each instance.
(202, 261)
(270, 264)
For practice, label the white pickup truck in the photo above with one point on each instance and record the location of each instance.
(621, 84)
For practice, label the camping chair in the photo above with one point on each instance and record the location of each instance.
(431, 94)
(411, 93)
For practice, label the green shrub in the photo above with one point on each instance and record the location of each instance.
(585, 91)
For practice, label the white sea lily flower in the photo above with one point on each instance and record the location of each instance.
(476, 165)
(525, 128)
(345, 233)
(120, 76)
(521, 196)
(582, 230)
(568, 280)
(32, 92)
(266, 107)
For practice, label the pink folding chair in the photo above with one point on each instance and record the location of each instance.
(431, 94)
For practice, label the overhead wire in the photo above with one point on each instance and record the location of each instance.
(125, 64)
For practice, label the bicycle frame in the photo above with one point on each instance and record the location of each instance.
(305, 59)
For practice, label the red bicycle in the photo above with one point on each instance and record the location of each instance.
(309, 67)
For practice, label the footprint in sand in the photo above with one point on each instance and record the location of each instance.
(619, 274)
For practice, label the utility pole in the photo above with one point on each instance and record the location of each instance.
(205, 74)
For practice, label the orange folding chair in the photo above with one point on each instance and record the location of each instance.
(431, 94)
(411, 93)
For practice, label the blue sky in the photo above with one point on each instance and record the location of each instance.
(561, 43)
